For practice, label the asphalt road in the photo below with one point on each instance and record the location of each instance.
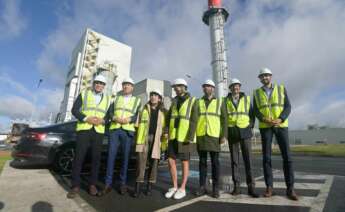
(310, 167)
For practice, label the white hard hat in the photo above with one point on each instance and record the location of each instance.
(128, 80)
(209, 82)
(157, 91)
(235, 81)
(100, 78)
(265, 71)
(180, 81)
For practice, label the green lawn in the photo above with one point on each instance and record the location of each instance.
(331, 150)
(4, 156)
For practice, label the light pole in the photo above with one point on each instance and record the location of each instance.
(35, 101)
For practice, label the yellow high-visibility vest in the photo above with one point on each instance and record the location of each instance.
(90, 108)
(273, 107)
(238, 116)
(144, 126)
(209, 118)
(122, 110)
(183, 114)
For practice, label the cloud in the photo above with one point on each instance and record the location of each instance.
(300, 40)
(15, 107)
(17, 102)
(12, 21)
(10, 84)
(302, 44)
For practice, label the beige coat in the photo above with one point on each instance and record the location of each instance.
(156, 151)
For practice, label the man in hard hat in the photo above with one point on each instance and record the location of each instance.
(182, 118)
(91, 109)
(124, 112)
(211, 131)
(241, 121)
(272, 108)
(150, 136)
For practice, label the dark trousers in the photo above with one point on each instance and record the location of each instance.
(203, 168)
(282, 138)
(144, 158)
(245, 145)
(87, 139)
(123, 139)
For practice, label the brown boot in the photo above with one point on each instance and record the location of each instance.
(93, 190)
(268, 192)
(290, 193)
(105, 191)
(73, 193)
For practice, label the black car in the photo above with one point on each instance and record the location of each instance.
(54, 146)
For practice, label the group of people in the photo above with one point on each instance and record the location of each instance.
(189, 125)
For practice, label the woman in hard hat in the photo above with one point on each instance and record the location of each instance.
(149, 138)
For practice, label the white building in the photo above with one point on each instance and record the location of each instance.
(143, 88)
(94, 54)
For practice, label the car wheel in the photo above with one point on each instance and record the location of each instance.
(64, 160)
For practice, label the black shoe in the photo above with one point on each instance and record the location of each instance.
(123, 189)
(252, 193)
(105, 191)
(291, 194)
(201, 191)
(215, 192)
(149, 189)
(137, 190)
(236, 191)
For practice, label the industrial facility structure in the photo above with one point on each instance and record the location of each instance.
(215, 17)
(317, 136)
(143, 88)
(94, 54)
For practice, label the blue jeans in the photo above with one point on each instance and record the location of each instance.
(124, 139)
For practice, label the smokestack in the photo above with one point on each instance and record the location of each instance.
(215, 17)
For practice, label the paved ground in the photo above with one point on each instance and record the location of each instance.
(34, 190)
(320, 182)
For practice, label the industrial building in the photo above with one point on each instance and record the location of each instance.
(94, 54)
(317, 136)
(143, 88)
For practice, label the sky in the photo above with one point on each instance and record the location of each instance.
(301, 41)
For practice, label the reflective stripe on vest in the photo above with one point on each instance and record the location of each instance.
(122, 110)
(89, 108)
(209, 118)
(143, 126)
(238, 116)
(183, 114)
(273, 107)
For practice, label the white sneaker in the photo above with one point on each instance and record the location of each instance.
(170, 192)
(180, 194)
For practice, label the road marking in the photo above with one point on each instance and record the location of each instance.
(307, 186)
(274, 200)
(182, 204)
(302, 177)
(197, 199)
(316, 204)
(319, 202)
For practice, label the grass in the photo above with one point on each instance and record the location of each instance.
(4, 156)
(330, 150)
